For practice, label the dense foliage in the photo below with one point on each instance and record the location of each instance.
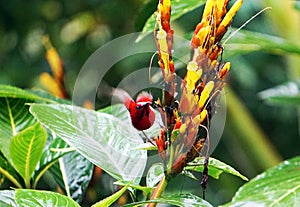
(39, 132)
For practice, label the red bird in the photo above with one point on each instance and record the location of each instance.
(141, 113)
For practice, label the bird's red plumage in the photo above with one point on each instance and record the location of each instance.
(141, 113)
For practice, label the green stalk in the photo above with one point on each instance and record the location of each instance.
(171, 160)
(251, 137)
(287, 22)
(160, 188)
(286, 19)
(10, 177)
(42, 173)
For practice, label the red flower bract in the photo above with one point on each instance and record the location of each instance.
(187, 123)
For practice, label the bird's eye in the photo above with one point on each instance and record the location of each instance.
(142, 105)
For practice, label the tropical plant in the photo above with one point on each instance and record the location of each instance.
(42, 135)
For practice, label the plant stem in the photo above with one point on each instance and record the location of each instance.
(169, 166)
(10, 177)
(288, 27)
(250, 134)
(160, 188)
(42, 173)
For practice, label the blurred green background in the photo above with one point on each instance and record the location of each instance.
(257, 135)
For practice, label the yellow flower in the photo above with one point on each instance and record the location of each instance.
(203, 81)
(55, 84)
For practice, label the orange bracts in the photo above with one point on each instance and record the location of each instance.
(54, 84)
(186, 131)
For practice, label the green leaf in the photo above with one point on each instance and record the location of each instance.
(77, 172)
(26, 149)
(247, 41)
(155, 174)
(102, 138)
(285, 94)
(14, 92)
(14, 113)
(48, 97)
(147, 146)
(120, 111)
(215, 168)
(284, 100)
(7, 170)
(189, 174)
(278, 186)
(7, 198)
(179, 8)
(111, 199)
(147, 8)
(117, 110)
(73, 173)
(14, 118)
(35, 198)
(70, 170)
(146, 190)
(55, 148)
(183, 200)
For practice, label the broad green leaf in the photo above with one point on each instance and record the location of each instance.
(278, 186)
(179, 8)
(9, 172)
(285, 94)
(247, 41)
(117, 110)
(14, 118)
(284, 100)
(73, 173)
(70, 170)
(183, 200)
(7, 198)
(102, 138)
(155, 174)
(111, 199)
(14, 113)
(38, 198)
(215, 168)
(54, 149)
(14, 92)
(48, 97)
(26, 149)
(120, 111)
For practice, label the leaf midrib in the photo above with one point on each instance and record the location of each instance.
(28, 157)
(12, 122)
(285, 195)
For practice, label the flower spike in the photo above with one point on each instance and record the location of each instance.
(163, 35)
(184, 134)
